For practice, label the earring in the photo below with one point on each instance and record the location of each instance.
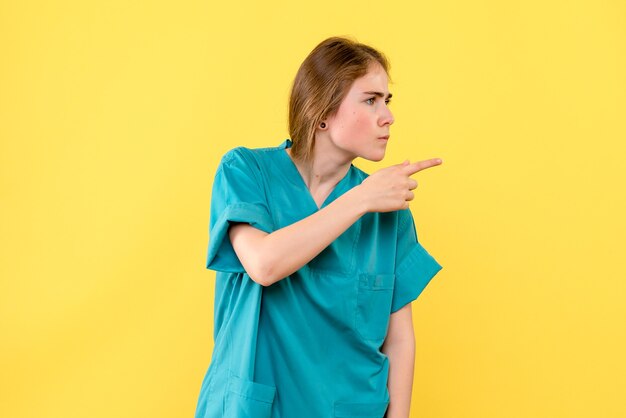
(322, 125)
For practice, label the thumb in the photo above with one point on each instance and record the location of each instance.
(405, 162)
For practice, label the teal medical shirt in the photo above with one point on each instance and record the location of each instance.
(308, 346)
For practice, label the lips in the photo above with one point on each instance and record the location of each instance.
(384, 137)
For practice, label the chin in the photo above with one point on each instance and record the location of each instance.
(378, 156)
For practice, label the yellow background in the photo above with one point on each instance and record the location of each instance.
(113, 117)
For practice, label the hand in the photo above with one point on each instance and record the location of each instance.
(389, 189)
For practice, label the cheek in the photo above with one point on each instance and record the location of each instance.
(353, 127)
(358, 125)
(356, 121)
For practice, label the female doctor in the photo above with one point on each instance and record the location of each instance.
(317, 261)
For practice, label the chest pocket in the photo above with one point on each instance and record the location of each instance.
(373, 305)
(377, 253)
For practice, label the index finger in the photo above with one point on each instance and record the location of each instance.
(421, 165)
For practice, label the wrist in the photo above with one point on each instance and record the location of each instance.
(358, 201)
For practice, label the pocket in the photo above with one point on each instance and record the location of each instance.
(247, 399)
(373, 306)
(360, 410)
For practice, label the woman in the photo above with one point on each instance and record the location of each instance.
(317, 262)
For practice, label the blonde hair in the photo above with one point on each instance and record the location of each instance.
(321, 83)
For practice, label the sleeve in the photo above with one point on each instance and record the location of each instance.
(237, 195)
(415, 267)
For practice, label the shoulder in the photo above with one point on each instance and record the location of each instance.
(360, 174)
(235, 166)
(246, 155)
(235, 155)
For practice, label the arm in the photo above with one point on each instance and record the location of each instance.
(399, 346)
(269, 258)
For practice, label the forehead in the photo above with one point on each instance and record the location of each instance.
(374, 80)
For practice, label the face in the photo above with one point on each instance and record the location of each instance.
(363, 117)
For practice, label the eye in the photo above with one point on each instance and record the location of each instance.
(388, 101)
(371, 98)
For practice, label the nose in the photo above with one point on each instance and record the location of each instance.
(386, 117)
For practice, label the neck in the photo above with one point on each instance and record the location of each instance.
(326, 168)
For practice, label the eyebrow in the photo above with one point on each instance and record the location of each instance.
(379, 94)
